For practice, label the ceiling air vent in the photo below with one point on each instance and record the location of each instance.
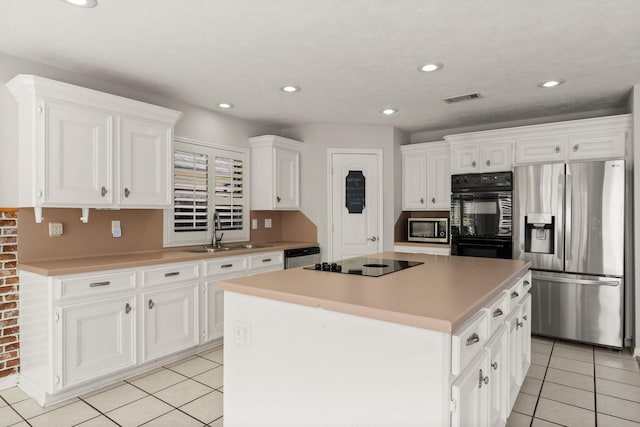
(467, 97)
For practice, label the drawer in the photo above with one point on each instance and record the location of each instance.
(268, 259)
(515, 293)
(95, 284)
(169, 274)
(468, 340)
(225, 265)
(526, 283)
(497, 311)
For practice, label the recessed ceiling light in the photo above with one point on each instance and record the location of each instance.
(430, 67)
(225, 105)
(82, 3)
(551, 83)
(290, 89)
(389, 111)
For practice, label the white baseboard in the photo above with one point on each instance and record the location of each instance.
(8, 381)
(636, 353)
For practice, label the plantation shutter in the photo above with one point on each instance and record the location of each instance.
(229, 199)
(191, 192)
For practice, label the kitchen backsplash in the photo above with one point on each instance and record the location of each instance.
(285, 225)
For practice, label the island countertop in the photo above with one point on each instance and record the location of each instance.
(440, 294)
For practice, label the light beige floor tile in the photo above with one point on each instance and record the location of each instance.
(13, 395)
(543, 340)
(212, 378)
(625, 353)
(2, 403)
(139, 412)
(605, 420)
(216, 355)
(617, 362)
(573, 346)
(536, 371)
(568, 353)
(541, 348)
(8, 416)
(29, 408)
(68, 415)
(537, 422)
(618, 407)
(144, 374)
(217, 423)
(620, 375)
(158, 380)
(102, 389)
(221, 389)
(100, 421)
(20, 424)
(569, 395)
(517, 419)
(115, 397)
(193, 367)
(571, 365)
(174, 418)
(206, 409)
(183, 392)
(540, 358)
(531, 386)
(618, 389)
(525, 404)
(571, 379)
(567, 415)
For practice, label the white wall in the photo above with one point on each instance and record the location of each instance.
(196, 123)
(318, 138)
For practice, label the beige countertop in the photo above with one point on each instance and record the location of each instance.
(440, 294)
(60, 267)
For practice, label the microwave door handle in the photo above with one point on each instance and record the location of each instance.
(493, 245)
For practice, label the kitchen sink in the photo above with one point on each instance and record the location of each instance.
(251, 246)
(208, 250)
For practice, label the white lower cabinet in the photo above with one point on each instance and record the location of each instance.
(498, 348)
(470, 392)
(213, 316)
(97, 338)
(170, 320)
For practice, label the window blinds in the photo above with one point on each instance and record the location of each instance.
(229, 192)
(191, 195)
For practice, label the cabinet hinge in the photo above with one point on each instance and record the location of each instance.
(56, 380)
(57, 317)
(41, 108)
(452, 406)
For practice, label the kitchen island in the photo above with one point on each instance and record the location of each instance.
(410, 348)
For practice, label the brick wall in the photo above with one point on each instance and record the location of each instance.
(9, 341)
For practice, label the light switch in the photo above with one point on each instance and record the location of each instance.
(267, 223)
(55, 229)
(254, 224)
(115, 229)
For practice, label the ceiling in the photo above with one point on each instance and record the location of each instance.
(352, 58)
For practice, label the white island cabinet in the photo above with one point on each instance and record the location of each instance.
(425, 346)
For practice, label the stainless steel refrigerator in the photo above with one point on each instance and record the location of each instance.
(569, 222)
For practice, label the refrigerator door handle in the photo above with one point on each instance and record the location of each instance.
(603, 282)
(559, 243)
(568, 217)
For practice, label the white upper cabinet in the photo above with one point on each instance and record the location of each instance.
(426, 181)
(479, 156)
(83, 148)
(275, 173)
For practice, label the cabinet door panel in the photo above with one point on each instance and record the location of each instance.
(525, 337)
(170, 320)
(414, 181)
(497, 156)
(77, 156)
(97, 339)
(498, 348)
(286, 179)
(465, 158)
(213, 311)
(540, 149)
(471, 396)
(145, 163)
(515, 365)
(439, 180)
(597, 145)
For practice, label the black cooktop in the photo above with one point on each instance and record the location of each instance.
(365, 266)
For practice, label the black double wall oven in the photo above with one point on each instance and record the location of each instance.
(481, 215)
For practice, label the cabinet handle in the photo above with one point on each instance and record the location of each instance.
(127, 308)
(433, 200)
(422, 201)
(557, 148)
(173, 273)
(278, 199)
(126, 192)
(497, 313)
(494, 365)
(514, 294)
(266, 260)
(372, 239)
(473, 339)
(482, 379)
(519, 324)
(526, 283)
(98, 284)
(575, 148)
(488, 162)
(151, 304)
(524, 317)
(103, 191)
(473, 163)
(226, 265)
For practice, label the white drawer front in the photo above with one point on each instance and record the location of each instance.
(95, 284)
(268, 259)
(468, 340)
(497, 310)
(515, 294)
(225, 266)
(169, 274)
(526, 283)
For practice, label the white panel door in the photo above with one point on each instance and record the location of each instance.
(170, 320)
(439, 180)
(97, 339)
(470, 392)
(515, 364)
(145, 163)
(498, 347)
(414, 181)
(78, 156)
(287, 178)
(496, 156)
(465, 158)
(525, 337)
(355, 206)
(214, 309)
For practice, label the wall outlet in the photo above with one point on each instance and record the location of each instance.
(55, 229)
(267, 223)
(242, 333)
(254, 224)
(116, 231)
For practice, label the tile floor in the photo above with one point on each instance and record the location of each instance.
(185, 393)
(568, 384)
(572, 384)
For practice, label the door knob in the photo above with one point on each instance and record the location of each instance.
(372, 239)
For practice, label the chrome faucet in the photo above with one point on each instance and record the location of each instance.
(216, 242)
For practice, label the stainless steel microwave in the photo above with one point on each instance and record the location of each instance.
(432, 230)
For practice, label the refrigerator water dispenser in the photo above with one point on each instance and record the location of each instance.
(539, 233)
